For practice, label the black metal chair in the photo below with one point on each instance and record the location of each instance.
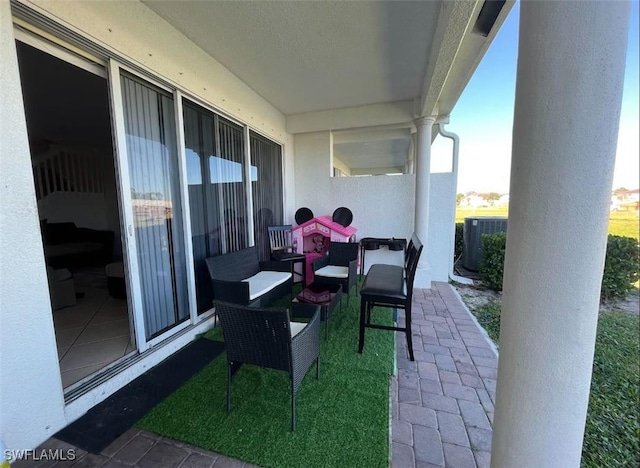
(390, 286)
(268, 338)
(339, 266)
(281, 244)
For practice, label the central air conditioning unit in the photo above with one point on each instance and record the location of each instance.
(472, 237)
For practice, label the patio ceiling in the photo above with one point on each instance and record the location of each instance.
(373, 150)
(332, 65)
(310, 56)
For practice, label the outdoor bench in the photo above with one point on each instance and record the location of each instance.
(240, 278)
(390, 286)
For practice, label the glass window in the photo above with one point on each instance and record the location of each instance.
(217, 196)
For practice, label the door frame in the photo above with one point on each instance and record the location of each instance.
(38, 39)
(130, 247)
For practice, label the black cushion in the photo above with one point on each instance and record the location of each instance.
(384, 283)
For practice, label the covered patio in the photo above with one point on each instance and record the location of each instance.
(352, 88)
(441, 403)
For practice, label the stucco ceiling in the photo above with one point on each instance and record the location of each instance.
(310, 56)
(344, 65)
(364, 156)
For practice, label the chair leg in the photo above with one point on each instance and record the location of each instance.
(318, 368)
(293, 407)
(229, 387)
(326, 327)
(363, 311)
(407, 319)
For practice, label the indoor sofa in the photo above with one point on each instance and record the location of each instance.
(66, 245)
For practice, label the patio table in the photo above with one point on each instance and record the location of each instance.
(326, 295)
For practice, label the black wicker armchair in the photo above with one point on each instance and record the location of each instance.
(267, 338)
(339, 266)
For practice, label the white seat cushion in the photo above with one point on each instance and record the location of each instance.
(333, 271)
(264, 281)
(296, 327)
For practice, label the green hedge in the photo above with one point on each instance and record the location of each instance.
(621, 267)
(459, 241)
(492, 260)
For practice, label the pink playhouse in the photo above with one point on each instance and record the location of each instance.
(312, 239)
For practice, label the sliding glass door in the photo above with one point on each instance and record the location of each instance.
(266, 183)
(183, 204)
(214, 149)
(155, 199)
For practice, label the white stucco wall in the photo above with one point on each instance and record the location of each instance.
(313, 166)
(439, 248)
(31, 400)
(31, 397)
(382, 206)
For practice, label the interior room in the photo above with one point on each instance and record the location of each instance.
(68, 120)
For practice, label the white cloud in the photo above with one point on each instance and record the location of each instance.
(485, 163)
(627, 169)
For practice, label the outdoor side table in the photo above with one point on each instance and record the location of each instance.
(327, 296)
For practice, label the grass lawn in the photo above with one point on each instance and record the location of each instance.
(621, 223)
(613, 422)
(624, 223)
(342, 419)
(612, 434)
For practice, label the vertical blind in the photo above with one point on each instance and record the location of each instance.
(230, 177)
(266, 164)
(217, 195)
(155, 194)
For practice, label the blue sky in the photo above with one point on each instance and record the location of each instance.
(483, 117)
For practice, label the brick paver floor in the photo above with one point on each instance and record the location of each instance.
(442, 403)
(138, 449)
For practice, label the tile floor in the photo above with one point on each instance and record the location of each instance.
(94, 332)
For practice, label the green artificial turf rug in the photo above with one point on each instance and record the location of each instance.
(342, 419)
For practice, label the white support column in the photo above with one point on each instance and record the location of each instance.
(567, 110)
(422, 170)
(411, 154)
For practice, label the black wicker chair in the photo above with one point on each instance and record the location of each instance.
(267, 338)
(339, 266)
